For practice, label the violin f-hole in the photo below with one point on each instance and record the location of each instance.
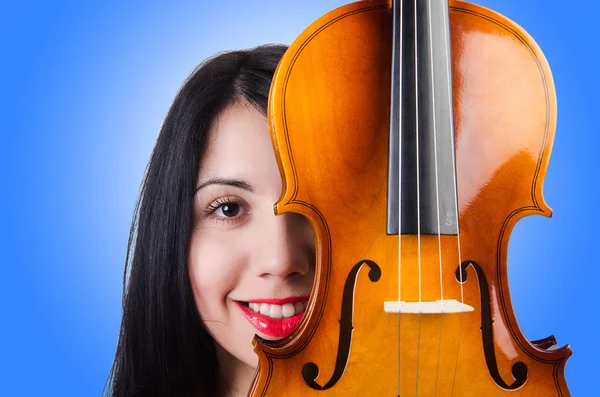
(310, 370)
(519, 369)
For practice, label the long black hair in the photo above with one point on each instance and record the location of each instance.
(163, 348)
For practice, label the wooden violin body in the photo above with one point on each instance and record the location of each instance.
(329, 114)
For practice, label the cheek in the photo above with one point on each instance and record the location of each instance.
(214, 272)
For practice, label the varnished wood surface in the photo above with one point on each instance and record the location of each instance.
(329, 116)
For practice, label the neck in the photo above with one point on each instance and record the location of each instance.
(236, 377)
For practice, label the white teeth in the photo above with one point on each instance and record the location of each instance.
(265, 309)
(277, 311)
(288, 310)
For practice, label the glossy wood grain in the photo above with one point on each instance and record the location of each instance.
(329, 117)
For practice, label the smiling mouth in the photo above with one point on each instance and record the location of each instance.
(275, 320)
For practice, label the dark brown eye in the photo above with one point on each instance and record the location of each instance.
(229, 210)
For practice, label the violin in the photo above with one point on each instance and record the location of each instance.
(413, 135)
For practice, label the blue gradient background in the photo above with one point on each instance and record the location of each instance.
(85, 87)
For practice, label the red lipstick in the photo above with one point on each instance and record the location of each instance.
(277, 328)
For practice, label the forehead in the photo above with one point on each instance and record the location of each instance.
(239, 145)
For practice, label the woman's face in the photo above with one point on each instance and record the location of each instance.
(251, 271)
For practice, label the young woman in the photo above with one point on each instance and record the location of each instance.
(209, 264)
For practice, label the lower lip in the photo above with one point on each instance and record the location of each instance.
(276, 328)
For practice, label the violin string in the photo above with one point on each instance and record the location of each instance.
(418, 196)
(399, 104)
(437, 190)
(454, 180)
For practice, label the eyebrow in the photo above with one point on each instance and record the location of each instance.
(227, 182)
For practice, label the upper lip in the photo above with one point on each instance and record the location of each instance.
(279, 301)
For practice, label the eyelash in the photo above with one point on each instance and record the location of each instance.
(209, 212)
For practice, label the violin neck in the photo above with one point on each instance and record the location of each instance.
(421, 172)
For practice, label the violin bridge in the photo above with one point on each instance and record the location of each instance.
(437, 307)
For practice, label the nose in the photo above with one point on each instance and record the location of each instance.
(287, 248)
